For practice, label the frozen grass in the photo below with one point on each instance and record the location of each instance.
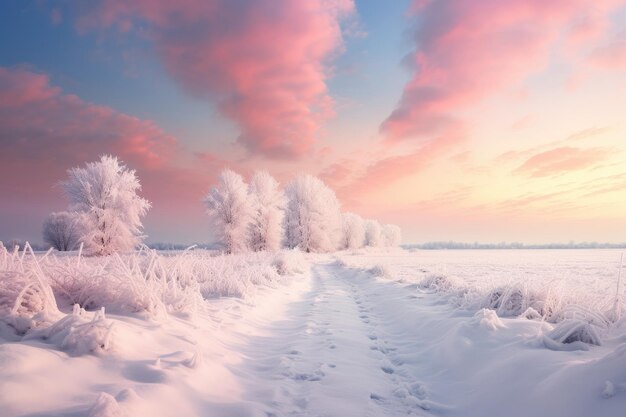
(35, 288)
(579, 291)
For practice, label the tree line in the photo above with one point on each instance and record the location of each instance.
(105, 214)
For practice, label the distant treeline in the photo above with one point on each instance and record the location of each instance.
(514, 245)
(180, 246)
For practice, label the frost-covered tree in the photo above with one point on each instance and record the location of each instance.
(392, 235)
(313, 217)
(229, 206)
(373, 233)
(104, 193)
(353, 231)
(268, 203)
(62, 230)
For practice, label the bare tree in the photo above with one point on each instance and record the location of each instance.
(104, 193)
(61, 230)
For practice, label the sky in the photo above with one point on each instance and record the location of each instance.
(494, 120)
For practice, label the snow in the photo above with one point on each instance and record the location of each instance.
(367, 332)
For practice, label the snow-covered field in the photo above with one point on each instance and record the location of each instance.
(375, 332)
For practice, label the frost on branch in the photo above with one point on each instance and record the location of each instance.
(229, 206)
(104, 193)
(313, 218)
(268, 210)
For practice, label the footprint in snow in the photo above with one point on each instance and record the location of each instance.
(387, 369)
(311, 377)
(377, 397)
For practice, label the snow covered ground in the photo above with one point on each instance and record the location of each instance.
(364, 333)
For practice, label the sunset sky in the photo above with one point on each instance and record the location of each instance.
(491, 120)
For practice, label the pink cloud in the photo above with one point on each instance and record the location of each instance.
(44, 132)
(468, 50)
(265, 62)
(611, 56)
(561, 160)
(353, 179)
(40, 123)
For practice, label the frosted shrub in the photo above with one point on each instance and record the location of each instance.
(78, 334)
(373, 235)
(313, 218)
(104, 194)
(391, 235)
(353, 229)
(62, 231)
(572, 332)
(22, 301)
(230, 208)
(382, 271)
(289, 262)
(142, 282)
(438, 283)
(268, 210)
(26, 298)
(513, 300)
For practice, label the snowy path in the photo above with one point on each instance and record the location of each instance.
(331, 358)
(358, 345)
(337, 341)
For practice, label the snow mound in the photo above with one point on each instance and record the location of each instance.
(105, 406)
(488, 319)
(78, 335)
(572, 334)
(531, 314)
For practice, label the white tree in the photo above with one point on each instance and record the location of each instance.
(313, 217)
(392, 235)
(268, 210)
(62, 230)
(229, 206)
(353, 231)
(372, 233)
(104, 193)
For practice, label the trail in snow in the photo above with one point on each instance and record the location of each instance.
(337, 341)
(332, 356)
(358, 345)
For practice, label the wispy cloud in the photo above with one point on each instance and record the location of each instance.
(467, 51)
(560, 160)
